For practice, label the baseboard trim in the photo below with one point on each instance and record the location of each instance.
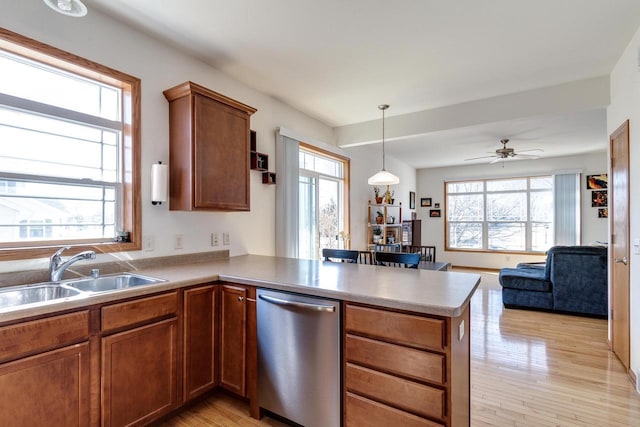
(468, 267)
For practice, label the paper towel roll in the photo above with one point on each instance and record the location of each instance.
(159, 182)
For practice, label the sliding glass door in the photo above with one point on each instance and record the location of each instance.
(321, 204)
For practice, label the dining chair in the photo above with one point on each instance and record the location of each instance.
(395, 259)
(366, 257)
(427, 253)
(340, 255)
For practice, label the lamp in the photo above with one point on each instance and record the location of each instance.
(383, 177)
(159, 178)
(73, 8)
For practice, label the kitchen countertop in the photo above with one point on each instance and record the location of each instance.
(441, 293)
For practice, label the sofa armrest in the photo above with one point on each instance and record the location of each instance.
(528, 279)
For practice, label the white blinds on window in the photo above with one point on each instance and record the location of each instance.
(287, 171)
(567, 209)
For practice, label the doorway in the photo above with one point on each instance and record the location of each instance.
(619, 322)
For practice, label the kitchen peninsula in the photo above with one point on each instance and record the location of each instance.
(405, 340)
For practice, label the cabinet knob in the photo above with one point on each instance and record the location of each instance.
(240, 299)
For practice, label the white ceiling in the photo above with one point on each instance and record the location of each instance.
(337, 60)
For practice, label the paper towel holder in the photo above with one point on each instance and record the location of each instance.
(159, 187)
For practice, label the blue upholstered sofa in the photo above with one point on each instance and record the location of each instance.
(573, 279)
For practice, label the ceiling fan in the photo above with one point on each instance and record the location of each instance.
(505, 153)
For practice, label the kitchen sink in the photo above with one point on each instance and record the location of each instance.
(31, 294)
(111, 283)
(47, 292)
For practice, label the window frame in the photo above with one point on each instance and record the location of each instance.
(485, 221)
(346, 166)
(130, 86)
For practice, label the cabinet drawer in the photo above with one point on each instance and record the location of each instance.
(408, 329)
(400, 393)
(43, 334)
(396, 359)
(138, 311)
(364, 412)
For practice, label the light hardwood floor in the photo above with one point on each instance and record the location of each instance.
(528, 368)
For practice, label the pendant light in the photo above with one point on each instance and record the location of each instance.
(383, 177)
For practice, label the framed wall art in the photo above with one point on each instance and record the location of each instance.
(434, 213)
(599, 199)
(412, 200)
(597, 182)
(425, 202)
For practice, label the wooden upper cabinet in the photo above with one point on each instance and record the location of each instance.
(209, 149)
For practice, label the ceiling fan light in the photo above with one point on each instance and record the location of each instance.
(383, 178)
(74, 8)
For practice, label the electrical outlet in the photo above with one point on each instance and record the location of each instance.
(148, 243)
(225, 238)
(214, 239)
(178, 241)
(461, 331)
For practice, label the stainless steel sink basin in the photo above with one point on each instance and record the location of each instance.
(111, 283)
(41, 293)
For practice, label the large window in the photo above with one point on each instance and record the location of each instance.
(322, 198)
(69, 163)
(501, 214)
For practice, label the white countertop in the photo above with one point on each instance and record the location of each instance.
(441, 293)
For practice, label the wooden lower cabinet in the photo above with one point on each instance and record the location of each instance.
(233, 343)
(405, 368)
(139, 361)
(200, 338)
(139, 368)
(49, 389)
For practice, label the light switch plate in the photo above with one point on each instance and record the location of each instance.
(461, 331)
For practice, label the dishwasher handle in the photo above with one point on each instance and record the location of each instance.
(303, 305)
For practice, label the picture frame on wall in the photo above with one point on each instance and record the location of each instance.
(599, 199)
(597, 182)
(436, 205)
(425, 202)
(434, 213)
(603, 213)
(412, 200)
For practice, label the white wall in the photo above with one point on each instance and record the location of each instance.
(625, 104)
(366, 161)
(431, 184)
(100, 38)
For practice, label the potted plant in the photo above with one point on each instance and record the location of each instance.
(379, 217)
(377, 235)
(376, 191)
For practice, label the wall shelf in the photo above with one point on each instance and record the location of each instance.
(260, 161)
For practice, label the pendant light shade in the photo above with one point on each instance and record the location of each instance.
(383, 177)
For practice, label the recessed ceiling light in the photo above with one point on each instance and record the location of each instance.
(73, 8)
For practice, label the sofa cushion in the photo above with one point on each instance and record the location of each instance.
(520, 298)
(529, 279)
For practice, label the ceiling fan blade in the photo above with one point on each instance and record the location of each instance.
(478, 158)
(526, 156)
(496, 160)
(540, 150)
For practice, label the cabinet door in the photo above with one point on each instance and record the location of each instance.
(221, 172)
(139, 369)
(200, 334)
(49, 389)
(233, 345)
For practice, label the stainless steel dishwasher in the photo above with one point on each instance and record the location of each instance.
(299, 363)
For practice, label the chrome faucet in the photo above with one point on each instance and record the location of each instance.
(57, 267)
